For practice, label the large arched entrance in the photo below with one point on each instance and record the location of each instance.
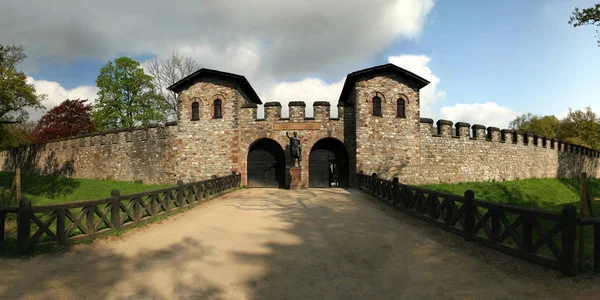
(328, 164)
(266, 164)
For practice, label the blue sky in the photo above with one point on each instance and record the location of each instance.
(492, 59)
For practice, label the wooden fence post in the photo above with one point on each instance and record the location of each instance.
(469, 214)
(179, 193)
(569, 235)
(495, 225)
(2, 226)
(395, 192)
(596, 248)
(24, 226)
(582, 204)
(115, 209)
(61, 234)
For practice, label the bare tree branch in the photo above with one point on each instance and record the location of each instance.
(167, 72)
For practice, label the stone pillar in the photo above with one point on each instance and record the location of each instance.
(296, 176)
(478, 132)
(321, 111)
(462, 129)
(506, 135)
(426, 125)
(528, 139)
(444, 128)
(272, 111)
(248, 113)
(493, 134)
(297, 109)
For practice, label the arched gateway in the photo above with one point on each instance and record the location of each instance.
(328, 164)
(266, 164)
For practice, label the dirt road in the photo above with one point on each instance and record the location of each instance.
(280, 244)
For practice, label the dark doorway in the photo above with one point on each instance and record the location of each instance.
(328, 164)
(266, 164)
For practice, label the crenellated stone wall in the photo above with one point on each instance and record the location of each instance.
(134, 154)
(390, 144)
(475, 153)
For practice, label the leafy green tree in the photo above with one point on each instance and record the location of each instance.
(542, 126)
(581, 127)
(126, 97)
(16, 134)
(586, 16)
(15, 93)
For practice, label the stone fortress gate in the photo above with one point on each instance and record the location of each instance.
(378, 129)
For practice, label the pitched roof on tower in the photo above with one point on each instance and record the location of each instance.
(418, 81)
(196, 76)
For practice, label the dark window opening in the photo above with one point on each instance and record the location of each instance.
(401, 108)
(376, 106)
(217, 109)
(195, 111)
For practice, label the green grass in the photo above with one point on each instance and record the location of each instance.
(56, 189)
(547, 194)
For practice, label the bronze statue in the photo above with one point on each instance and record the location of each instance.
(295, 148)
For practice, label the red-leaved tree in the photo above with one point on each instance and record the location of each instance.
(70, 118)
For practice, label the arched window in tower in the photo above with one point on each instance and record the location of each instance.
(217, 109)
(195, 111)
(401, 105)
(376, 106)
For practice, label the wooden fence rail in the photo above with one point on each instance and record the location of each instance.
(538, 236)
(71, 222)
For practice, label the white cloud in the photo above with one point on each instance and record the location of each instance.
(57, 94)
(286, 40)
(488, 114)
(418, 64)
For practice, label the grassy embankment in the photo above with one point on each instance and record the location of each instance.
(42, 190)
(55, 189)
(545, 194)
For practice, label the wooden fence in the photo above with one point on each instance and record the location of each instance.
(535, 235)
(71, 222)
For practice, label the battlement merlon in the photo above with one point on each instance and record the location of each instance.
(495, 134)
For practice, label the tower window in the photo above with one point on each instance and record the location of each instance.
(401, 108)
(195, 111)
(376, 106)
(217, 109)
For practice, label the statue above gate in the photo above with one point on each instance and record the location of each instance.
(295, 148)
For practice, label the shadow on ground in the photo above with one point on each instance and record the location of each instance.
(89, 273)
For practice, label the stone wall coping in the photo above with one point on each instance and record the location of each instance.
(514, 132)
(321, 103)
(250, 105)
(296, 103)
(102, 133)
(273, 103)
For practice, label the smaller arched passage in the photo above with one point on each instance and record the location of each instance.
(328, 164)
(266, 164)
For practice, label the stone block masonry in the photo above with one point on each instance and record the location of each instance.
(134, 154)
(379, 125)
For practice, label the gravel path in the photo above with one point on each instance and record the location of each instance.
(281, 244)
